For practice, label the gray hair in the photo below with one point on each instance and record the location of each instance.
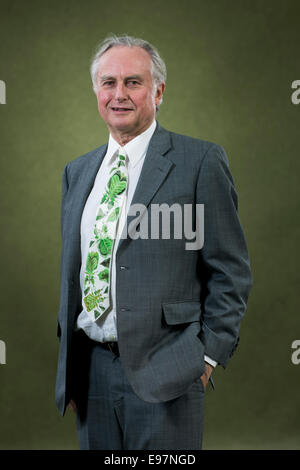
(159, 71)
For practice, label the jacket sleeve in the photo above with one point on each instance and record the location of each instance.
(224, 263)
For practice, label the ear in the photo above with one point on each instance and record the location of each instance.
(159, 92)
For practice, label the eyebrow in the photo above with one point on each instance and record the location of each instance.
(131, 77)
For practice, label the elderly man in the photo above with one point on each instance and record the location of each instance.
(143, 320)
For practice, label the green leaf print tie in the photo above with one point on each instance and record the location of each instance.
(96, 294)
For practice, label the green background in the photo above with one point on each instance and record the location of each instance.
(230, 68)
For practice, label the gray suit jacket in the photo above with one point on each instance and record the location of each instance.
(173, 305)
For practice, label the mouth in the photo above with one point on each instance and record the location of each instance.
(121, 109)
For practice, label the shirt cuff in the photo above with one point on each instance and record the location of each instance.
(210, 361)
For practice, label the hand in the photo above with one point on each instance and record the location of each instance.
(205, 377)
(72, 405)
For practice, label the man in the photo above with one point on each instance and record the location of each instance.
(144, 320)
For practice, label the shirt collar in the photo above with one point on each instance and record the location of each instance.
(135, 149)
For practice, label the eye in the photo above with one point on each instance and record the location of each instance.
(108, 83)
(132, 83)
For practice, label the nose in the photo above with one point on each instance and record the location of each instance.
(120, 92)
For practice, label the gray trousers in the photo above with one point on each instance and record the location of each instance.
(111, 416)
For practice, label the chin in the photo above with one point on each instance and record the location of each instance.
(120, 125)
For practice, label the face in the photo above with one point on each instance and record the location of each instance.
(126, 94)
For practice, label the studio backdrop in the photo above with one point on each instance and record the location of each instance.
(234, 79)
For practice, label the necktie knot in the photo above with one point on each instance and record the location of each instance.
(122, 156)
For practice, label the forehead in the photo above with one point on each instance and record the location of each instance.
(123, 60)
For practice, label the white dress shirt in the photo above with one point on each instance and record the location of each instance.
(105, 328)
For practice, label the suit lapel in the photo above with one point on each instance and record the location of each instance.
(84, 187)
(154, 171)
(87, 180)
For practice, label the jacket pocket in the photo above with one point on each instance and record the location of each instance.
(186, 311)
